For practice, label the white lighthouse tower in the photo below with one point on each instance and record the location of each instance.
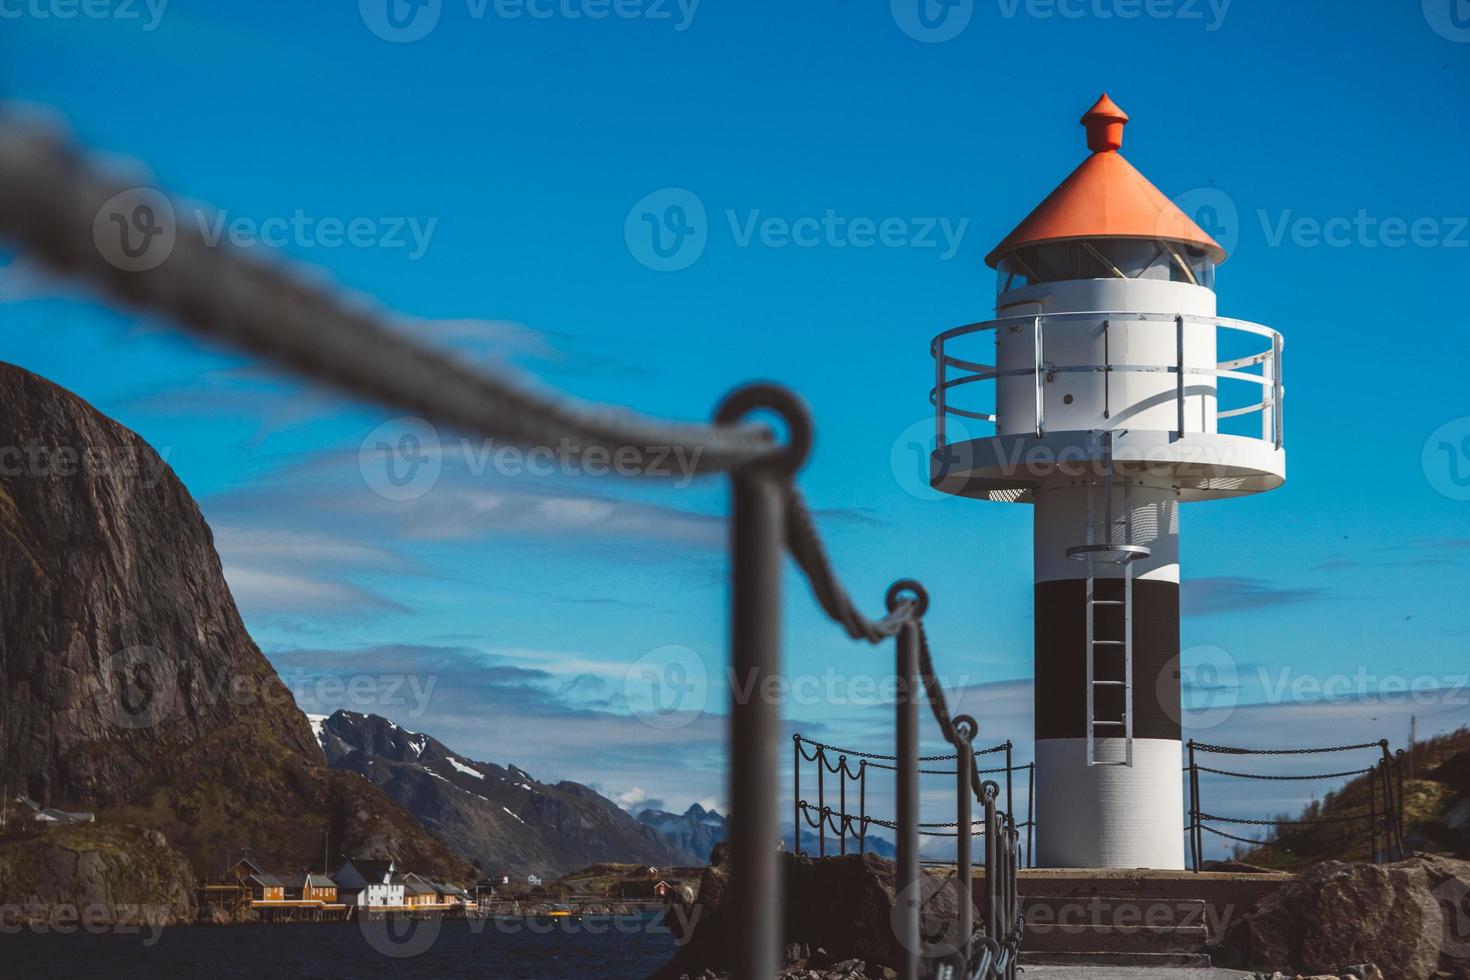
(1118, 394)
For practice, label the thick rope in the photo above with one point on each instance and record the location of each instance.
(53, 198)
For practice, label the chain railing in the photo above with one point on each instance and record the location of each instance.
(57, 206)
(853, 766)
(1383, 817)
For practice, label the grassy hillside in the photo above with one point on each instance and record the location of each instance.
(1436, 813)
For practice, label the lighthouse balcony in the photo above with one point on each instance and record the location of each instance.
(1181, 401)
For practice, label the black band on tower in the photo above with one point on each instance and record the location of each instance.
(1061, 658)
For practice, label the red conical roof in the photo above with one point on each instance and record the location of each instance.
(1106, 197)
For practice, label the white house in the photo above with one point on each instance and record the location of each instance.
(370, 884)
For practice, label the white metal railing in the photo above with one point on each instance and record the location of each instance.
(970, 372)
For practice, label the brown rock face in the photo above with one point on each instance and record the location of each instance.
(1410, 919)
(95, 874)
(128, 684)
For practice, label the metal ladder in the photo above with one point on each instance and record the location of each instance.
(1111, 552)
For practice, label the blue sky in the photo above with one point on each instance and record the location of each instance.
(493, 166)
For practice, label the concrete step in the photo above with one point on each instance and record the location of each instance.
(1114, 939)
(1102, 924)
(1186, 961)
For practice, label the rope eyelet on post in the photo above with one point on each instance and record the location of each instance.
(765, 396)
(966, 727)
(896, 591)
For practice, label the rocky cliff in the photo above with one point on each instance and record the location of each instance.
(500, 817)
(128, 683)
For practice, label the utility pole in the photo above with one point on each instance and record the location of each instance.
(1413, 731)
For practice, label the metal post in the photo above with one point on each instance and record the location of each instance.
(1399, 813)
(1194, 841)
(1373, 817)
(821, 803)
(796, 795)
(1010, 800)
(965, 729)
(906, 778)
(1179, 367)
(939, 409)
(842, 804)
(994, 921)
(1030, 808)
(862, 806)
(1040, 390)
(755, 721)
(757, 539)
(1276, 392)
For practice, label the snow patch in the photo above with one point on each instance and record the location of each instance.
(507, 810)
(461, 767)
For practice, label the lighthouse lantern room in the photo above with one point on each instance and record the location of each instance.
(1118, 394)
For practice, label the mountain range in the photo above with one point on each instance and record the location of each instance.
(499, 817)
(131, 689)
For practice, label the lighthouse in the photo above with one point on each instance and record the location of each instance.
(1106, 393)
